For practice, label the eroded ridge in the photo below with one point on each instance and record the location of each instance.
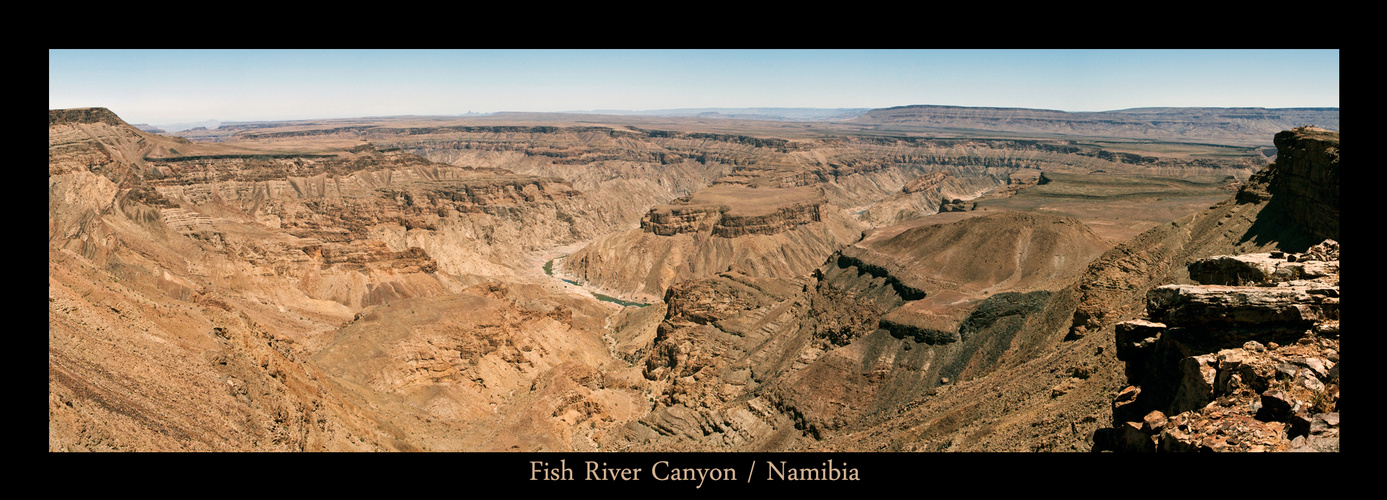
(345, 286)
(729, 211)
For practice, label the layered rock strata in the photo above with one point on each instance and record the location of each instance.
(1305, 179)
(1260, 218)
(763, 232)
(686, 219)
(1233, 368)
(1241, 124)
(312, 297)
(940, 191)
(340, 295)
(741, 361)
(672, 220)
(1054, 393)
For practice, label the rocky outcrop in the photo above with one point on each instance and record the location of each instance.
(763, 232)
(849, 258)
(641, 264)
(1251, 269)
(742, 212)
(672, 220)
(1214, 305)
(202, 298)
(924, 182)
(1306, 177)
(918, 333)
(782, 219)
(83, 115)
(313, 291)
(1232, 368)
(956, 205)
(1263, 217)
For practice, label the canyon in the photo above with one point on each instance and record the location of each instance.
(904, 280)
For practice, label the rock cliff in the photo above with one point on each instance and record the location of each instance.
(673, 220)
(742, 360)
(1255, 220)
(345, 286)
(1240, 361)
(203, 296)
(776, 232)
(1305, 179)
(715, 220)
(1218, 367)
(1074, 393)
(83, 115)
(642, 265)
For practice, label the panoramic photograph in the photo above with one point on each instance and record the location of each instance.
(554, 254)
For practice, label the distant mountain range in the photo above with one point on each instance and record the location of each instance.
(1203, 124)
(163, 128)
(777, 114)
(1227, 125)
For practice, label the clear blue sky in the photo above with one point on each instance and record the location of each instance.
(171, 86)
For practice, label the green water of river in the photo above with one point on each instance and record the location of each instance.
(618, 301)
(549, 270)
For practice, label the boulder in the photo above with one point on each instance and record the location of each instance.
(1214, 306)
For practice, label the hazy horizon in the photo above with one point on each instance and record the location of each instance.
(161, 87)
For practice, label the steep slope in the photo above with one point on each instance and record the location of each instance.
(246, 296)
(940, 191)
(760, 231)
(1245, 361)
(621, 173)
(952, 302)
(346, 287)
(739, 360)
(1059, 398)
(142, 354)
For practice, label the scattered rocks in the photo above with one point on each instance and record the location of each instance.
(1238, 367)
(1153, 422)
(957, 205)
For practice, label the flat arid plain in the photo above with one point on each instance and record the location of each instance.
(912, 279)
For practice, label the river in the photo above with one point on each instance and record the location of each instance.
(549, 270)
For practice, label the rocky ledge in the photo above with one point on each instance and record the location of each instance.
(672, 220)
(719, 220)
(1305, 178)
(924, 182)
(83, 115)
(1246, 361)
